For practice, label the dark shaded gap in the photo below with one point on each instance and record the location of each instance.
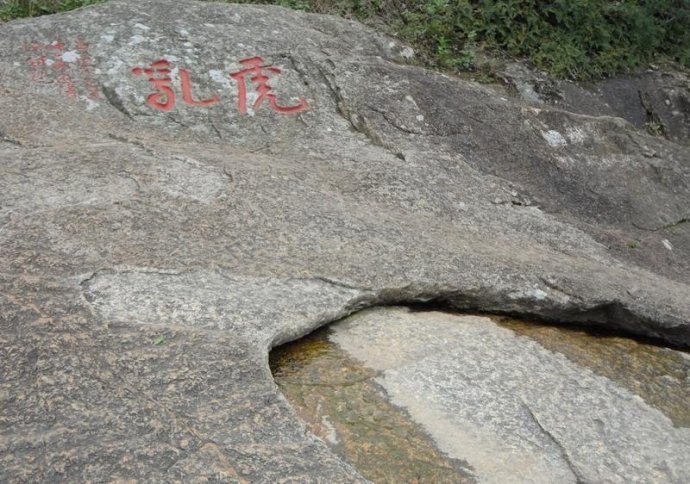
(586, 322)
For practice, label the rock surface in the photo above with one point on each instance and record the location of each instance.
(654, 99)
(151, 254)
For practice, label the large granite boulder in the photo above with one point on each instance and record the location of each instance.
(186, 185)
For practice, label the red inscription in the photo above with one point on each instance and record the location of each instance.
(187, 92)
(37, 64)
(86, 69)
(253, 71)
(66, 82)
(254, 67)
(159, 76)
(164, 99)
(57, 45)
(53, 63)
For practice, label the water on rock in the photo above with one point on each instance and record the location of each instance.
(342, 404)
(438, 397)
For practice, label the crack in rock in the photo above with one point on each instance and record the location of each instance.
(566, 458)
(276, 310)
(663, 227)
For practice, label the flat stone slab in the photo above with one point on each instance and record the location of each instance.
(183, 189)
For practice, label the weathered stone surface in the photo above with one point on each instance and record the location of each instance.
(654, 99)
(515, 411)
(227, 234)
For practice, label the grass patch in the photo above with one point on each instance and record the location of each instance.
(13, 9)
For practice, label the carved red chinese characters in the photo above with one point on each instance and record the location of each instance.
(159, 76)
(254, 66)
(164, 99)
(187, 92)
(253, 71)
(55, 63)
(86, 69)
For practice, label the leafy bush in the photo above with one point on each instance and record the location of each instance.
(580, 39)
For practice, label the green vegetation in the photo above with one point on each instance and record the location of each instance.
(158, 340)
(32, 8)
(579, 39)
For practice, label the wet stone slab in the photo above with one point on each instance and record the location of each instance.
(661, 376)
(439, 397)
(341, 403)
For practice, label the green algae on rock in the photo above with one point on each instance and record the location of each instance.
(512, 401)
(661, 376)
(340, 403)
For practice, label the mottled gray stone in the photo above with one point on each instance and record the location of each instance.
(648, 96)
(228, 234)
